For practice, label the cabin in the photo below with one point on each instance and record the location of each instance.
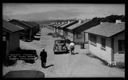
(59, 26)
(75, 33)
(81, 37)
(63, 27)
(56, 25)
(35, 26)
(10, 37)
(30, 29)
(26, 33)
(106, 41)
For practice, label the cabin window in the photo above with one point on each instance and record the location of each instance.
(79, 35)
(5, 36)
(65, 33)
(121, 46)
(103, 43)
(93, 39)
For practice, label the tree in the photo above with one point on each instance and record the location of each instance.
(113, 18)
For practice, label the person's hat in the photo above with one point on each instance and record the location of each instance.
(43, 48)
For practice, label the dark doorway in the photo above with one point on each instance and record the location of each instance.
(4, 46)
(121, 46)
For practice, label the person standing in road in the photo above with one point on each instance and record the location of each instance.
(43, 56)
(71, 47)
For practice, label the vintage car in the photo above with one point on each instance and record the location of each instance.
(24, 74)
(60, 46)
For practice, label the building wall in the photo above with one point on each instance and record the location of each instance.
(58, 30)
(55, 30)
(86, 35)
(103, 54)
(70, 36)
(14, 41)
(79, 39)
(65, 33)
(118, 57)
(61, 32)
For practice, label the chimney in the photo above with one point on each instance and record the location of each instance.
(9, 19)
(101, 22)
(118, 21)
(69, 21)
(79, 21)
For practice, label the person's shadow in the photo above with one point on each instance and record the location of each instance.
(49, 66)
(75, 53)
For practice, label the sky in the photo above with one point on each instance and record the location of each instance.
(38, 11)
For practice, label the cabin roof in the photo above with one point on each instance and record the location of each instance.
(11, 27)
(107, 29)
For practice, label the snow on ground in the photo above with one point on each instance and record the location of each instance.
(65, 65)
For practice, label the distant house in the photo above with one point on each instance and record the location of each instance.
(63, 27)
(59, 26)
(35, 26)
(30, 28)
(10, 37)
(26, 33)
(76, 31)
(107, 41)
(56, 26)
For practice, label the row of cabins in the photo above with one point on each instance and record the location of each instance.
(12, 32)
(104, 39)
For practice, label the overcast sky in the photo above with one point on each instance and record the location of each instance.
(47, 11)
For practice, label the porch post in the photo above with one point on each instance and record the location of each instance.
(87, 41)
(30, 37)
(112, 50)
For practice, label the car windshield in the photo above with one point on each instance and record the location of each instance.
(60, 42)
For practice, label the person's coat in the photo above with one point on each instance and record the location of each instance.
(43, 56)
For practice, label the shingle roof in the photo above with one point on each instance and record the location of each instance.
(28, 24)
(77, 24)
(61, 25)
(107, 29)
(19, 23)
(58, 25)
(11, 27)
(67, 24)
(32, 23)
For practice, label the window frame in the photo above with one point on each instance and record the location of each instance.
(103, 43)
(79, 35)
(93, 39)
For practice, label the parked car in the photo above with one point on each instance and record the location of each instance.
(60, 47)
(25, 74)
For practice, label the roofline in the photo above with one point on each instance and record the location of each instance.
(27, 24)
(11, 31)
(67, 25)
(20, 28)
(80, 25)
(118, 33)
(107, 36)
(19, 22)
